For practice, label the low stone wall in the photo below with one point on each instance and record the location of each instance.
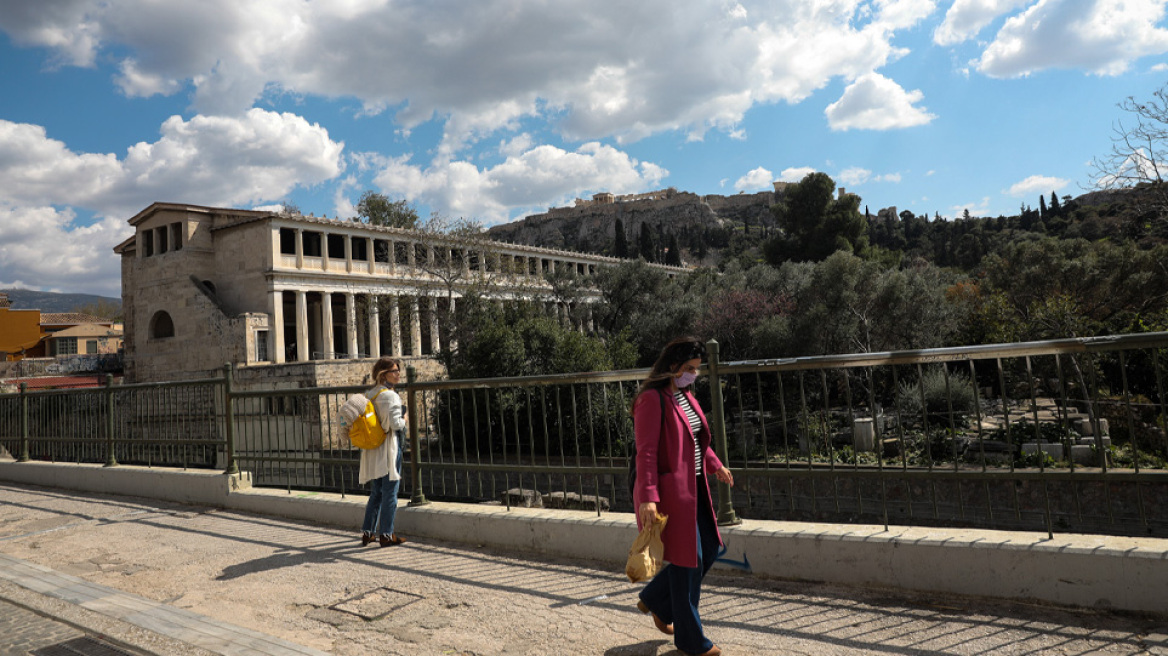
(1076, 570)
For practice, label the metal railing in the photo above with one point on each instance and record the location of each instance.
(1065, 435)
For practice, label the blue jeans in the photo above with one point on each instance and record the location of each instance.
(673, 594)
(382, 505)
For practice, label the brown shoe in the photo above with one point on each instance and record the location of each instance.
(390, 540)
(366, 538)
(667, 629)
(712, 651)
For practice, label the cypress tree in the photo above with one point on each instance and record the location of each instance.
(620, 247)
(673, 257)
(645, 243)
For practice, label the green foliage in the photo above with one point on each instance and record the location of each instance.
(935, 392)
(377, 209)
(815, 222)
(518, 341)
(620, 248)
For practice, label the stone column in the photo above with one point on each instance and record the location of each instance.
(299, 248)
(302, 354)
(435, 343)
(395, 327)
(351, 323)
(411, 256)
(374, 327)
(415, 328)
(324, 254)
(326, 319)
(453, 343)
(370, 255)
(276, 317)
(348, 254)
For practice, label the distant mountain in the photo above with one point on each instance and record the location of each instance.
(26, 299)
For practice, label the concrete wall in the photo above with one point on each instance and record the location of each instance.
(1075, 570)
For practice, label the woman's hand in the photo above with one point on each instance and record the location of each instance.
(725, 476)
(647, 513)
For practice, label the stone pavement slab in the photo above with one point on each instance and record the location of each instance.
(316, 587)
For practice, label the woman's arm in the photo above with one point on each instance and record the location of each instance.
(390, 411)
(647, 430)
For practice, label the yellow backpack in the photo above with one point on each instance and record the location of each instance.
(366, 431)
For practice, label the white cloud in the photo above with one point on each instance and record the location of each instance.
(874, 102)
(975, 209)
(516, 145)
(888, 177)
(45, 248)
(483, 67)
(796, 174)
(966, 18)
(1100, 36)
(526, 180)
(220, 161)
(853, 176)
(759, 178)
(1036, 185)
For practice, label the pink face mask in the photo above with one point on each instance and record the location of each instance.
(686, 379)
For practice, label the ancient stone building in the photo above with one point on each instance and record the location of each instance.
(290, 295)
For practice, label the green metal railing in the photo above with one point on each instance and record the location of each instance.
(1065, 435)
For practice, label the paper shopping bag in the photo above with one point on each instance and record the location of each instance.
(647, 554)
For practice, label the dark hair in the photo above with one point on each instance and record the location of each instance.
(382, 366)
(675, 353)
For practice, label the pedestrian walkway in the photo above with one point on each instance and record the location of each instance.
(163, 578)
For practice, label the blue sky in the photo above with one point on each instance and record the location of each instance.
(496, 109)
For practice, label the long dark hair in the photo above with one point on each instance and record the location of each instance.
(675, 353)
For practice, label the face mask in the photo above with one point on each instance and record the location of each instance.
(686, 379)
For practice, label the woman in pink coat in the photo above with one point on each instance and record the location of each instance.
(673, 457)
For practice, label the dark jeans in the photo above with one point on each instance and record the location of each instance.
(382, 505)
(673, 594)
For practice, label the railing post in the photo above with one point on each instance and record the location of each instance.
(726, 514)
(229, 419)
(418, 498)
(24, 456)
(110, 459)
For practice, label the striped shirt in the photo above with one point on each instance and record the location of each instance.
(695, 427)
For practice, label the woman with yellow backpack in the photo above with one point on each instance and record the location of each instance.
(381, 467)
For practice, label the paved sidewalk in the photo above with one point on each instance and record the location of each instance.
(153, 577)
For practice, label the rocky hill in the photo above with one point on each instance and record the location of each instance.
(590, 226)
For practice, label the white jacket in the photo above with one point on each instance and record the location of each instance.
(379, 462)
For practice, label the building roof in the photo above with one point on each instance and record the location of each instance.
(71, 319)
(60, 382)
(88, 330)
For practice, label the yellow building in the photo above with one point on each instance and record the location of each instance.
(20, 332)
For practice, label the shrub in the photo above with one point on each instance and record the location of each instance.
(936, 397)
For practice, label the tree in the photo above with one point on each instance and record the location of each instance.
(102, 308)
(377, 209)
(816, 223)
(620, 247)
(645, 244)
(459, 255)
(673, 256)
(1139, 154)
(1055, 208)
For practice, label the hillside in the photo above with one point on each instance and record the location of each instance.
(27, 299)
(698, 222)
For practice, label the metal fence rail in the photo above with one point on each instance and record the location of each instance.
(1065, 435)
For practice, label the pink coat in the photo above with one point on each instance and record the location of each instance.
(665, 471)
